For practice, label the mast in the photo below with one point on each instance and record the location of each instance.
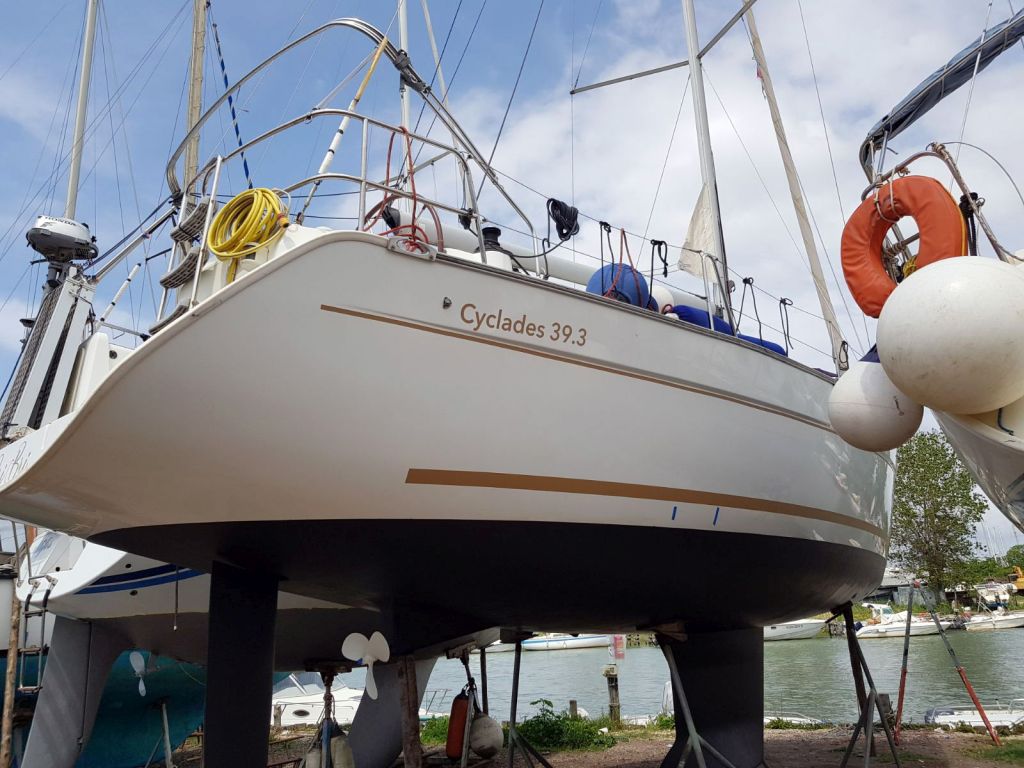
(403, 43)
(195, 85)
(84, 79)
(707, 159)
(828, 312)
(403, 94)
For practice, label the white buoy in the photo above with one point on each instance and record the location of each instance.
(485, 736)
(951, 336)
(869, 412)
(662, 297)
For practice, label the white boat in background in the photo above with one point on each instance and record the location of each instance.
(565, 642)
(299, 703)
(801, 629)
(296, 704)
(999, 715)
(885, 622)
(990, 620)
(791, 718)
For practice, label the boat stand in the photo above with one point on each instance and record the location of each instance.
(915, 588)
(868, 700)
(515, 739)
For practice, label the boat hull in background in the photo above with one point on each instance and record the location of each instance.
(801, 629)
(357, 404)
(994, 456)
(565, 642)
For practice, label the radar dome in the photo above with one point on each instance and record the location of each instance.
(869, 412)
(485, 736)
(950, 335)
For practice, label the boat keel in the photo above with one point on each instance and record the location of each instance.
(80, 658)
(722, 674)
(240, 667)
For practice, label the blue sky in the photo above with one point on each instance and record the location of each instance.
(604, 150)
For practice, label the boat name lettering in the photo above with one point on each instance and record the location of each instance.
(13, 462)
(478, 320)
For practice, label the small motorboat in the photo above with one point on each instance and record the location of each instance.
(802, 629)
(565, 642)
(990, 620)
(885, 622)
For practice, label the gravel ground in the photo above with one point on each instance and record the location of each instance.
(809, 749)
(783, 749)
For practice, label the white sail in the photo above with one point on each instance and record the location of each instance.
(700, 236)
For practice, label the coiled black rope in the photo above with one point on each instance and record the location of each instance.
(565, 217)
(972, 227)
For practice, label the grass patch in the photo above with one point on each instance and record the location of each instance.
(558, 730)
(435, 731)
(1011, 753)
(781, 724)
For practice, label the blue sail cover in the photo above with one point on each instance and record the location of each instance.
(941, 83)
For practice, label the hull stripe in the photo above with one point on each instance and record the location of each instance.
(185, 573)
(506, 481)
(665, 382)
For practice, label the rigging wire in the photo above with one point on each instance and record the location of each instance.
(994, 160)
(835, 178)
(512, 96)
(59, 156)
(227, 85)
(94, 124)
(821, 108)
(437, 66)
(47, 27)
(835, 181)
(103, 36)
(803, 256)
(668, 152)
(586, 47)
(66, 84)
(462, 56)
(970, 92)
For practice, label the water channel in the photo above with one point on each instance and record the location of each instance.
(811, 677)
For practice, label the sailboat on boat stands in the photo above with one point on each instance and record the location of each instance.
(413, 385)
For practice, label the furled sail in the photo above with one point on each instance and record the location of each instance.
(941, 83)
(700, 236)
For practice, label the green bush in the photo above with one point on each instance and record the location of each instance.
(662, 722)
(557, 730)
(435, 730)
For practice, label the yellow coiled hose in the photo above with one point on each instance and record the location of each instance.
(249, 221)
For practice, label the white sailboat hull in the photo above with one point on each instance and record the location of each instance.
(794, 630)
(899, 629)
(987, 623)
(565, 642)
(995, 457)
(357, 404)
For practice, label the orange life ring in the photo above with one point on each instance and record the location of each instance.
(938, 217)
